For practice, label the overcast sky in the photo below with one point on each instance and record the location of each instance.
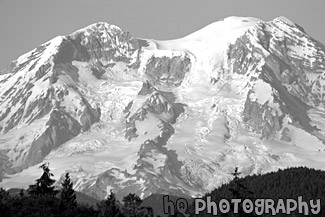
(25, 24)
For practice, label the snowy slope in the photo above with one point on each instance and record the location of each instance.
(148, 116)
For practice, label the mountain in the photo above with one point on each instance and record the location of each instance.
(148, 116)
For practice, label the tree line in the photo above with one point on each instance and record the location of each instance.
(42, 199)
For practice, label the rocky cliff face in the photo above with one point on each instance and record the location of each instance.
(287, 63)
(168, 71)
(147, 116)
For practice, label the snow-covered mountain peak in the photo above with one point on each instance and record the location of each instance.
(226, 28)
(284, 20)
(208, 45)
(99, 27)
(152, 116)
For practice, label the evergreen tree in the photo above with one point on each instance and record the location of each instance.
(4, 199)
(236, 187)
(109, 207)
(132, 207)
(22, 193)
(44, 185)
(239, 191)
(68, 196)
(4, 195)
(132, 203)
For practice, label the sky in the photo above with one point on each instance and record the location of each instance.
(25, 24)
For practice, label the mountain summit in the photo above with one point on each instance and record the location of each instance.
(148, 116)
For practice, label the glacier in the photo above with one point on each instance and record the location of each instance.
(147, 116)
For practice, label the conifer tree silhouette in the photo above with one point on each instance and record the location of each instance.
(68, 196)
(44, 185)
(110, 207)
(240, 191)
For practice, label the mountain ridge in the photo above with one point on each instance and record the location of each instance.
(146, 116)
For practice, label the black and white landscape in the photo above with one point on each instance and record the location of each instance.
(174, 117)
